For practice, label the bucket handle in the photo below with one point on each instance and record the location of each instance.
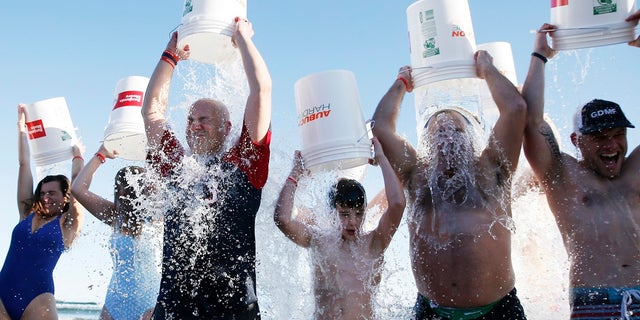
(575, 28)
(425, 67)
(174, 30)
(126, 136)
(371, 123)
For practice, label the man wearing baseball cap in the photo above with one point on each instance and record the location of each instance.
(598, 115)
(595, 198)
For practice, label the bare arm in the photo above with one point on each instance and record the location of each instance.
(400, 153)
(101, 208)
(156, 96)
(634, 156)
(25, 177)
(540, 145)
(294, 229)
(509, 128)
(390, 219)
(257, 115)
(73, 218)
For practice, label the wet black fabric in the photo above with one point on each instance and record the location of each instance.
(508, 308)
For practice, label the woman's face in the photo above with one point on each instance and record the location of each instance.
(53, 200)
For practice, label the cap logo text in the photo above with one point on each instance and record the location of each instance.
(602, 112)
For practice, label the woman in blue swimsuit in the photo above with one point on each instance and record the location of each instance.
(135, 245)
(50, 221)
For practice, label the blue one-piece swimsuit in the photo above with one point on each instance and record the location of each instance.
(136, 275)
(28, 268)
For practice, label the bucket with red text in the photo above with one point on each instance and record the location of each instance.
(125, 131)
(441, 41)
(334, 133)
(591, 23)
(50, 131)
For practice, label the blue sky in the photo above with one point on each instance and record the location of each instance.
(79, 50)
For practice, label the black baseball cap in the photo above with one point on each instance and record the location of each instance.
(599, 115)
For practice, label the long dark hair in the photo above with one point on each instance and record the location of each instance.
(127, 182)
(65, 188)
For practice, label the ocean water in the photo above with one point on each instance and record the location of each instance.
(78, 310)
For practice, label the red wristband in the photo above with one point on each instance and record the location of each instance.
(101, 157)
(171, 55)
(406, 83)
(295, 182)
(77, 157)
(169, 61)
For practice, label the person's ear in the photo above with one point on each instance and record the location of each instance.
(574, 139)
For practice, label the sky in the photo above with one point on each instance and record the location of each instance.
(79, 50)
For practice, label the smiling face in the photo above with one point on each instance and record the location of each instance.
(208, 126)
(52, 199)
(52, 195)
(603, 151)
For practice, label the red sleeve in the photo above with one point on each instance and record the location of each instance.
(251, 158)
(167, 157)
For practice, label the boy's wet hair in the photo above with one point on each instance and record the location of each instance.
(348, 193)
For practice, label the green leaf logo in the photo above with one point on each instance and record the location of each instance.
(65, 136)
(188, 7)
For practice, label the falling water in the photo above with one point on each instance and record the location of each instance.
(285, 271)
(538, 256)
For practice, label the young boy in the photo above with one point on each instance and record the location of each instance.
(347, 263)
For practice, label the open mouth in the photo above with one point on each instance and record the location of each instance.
(610, 159)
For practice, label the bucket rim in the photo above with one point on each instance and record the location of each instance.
(592, 38)
(338, 164)
(52, 156)
(122, 135)
(427, 78)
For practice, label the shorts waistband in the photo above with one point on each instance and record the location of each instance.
(599, 295)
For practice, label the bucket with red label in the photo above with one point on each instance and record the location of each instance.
(125, 131)
(50, 131)
(334, 133)
(441, 41)
(591, 23)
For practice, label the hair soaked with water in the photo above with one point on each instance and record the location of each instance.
(125, 176)
(348, 193)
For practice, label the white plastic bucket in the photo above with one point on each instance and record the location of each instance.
(207, 27)
(334, 133)
(50, 130)
(125, 131)
(441, 41)
(591, 23)
(357, 173)
(503, 61)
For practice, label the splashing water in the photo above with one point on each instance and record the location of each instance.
(285, 271)
(449, 154)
